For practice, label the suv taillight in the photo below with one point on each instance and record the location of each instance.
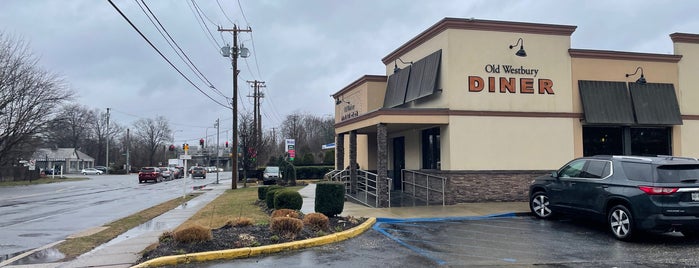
(657, 190)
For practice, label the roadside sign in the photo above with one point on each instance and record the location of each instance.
(186, 156)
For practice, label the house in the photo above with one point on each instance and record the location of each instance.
(69, 160)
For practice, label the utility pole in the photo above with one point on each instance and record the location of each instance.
(128, 144)
(107, 136)
(235, 51)
(257, 119)
(217, 156)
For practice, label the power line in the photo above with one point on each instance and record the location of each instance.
(202, 25)
(224, 12)
(191, 65)
(162, 55)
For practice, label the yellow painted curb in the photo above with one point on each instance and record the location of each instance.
(254, 251)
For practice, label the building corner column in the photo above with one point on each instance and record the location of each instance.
(353, 161)
(382, 166)
(340, 152)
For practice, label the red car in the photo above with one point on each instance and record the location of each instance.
(149, 174)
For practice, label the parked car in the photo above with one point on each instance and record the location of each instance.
(631, 193)
(166, 173)
(270, 175)
(101, 168)
(181, 169)
(91, 171)
(198, 172)
(149, 174)
(176, 173)
(52, 171)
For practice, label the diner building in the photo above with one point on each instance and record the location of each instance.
(478, 108)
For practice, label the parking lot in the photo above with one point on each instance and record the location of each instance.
(512, 241)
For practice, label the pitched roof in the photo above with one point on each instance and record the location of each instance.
(61, 154)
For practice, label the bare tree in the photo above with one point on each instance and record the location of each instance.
(29, 97)
(152, 135)
(72, 126)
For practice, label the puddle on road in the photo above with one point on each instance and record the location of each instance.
(34, 235)
(41, 256)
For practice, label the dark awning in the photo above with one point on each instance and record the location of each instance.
(396, 88)
(423, 77)
(606, 102)
(655, 104)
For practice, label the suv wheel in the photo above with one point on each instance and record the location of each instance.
(539, 204)
(621, 222)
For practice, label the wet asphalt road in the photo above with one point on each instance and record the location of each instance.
(487, 242)
(33, 216)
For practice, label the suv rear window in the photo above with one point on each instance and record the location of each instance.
(145, 169)
(678, 173)
(638, 171)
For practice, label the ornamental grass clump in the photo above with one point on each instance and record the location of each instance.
(286, 227)
(285, 212)
(192, 234)
(317, 222)
(240, 222)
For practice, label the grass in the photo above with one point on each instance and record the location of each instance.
(39, 181)
(231, 204)
(77, 246)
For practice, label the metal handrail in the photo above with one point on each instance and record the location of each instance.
(365, 180)
(426, 185)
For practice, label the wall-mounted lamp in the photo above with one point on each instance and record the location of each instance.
(521, 51)
(338, 101)
(642, 79)
(395, 65)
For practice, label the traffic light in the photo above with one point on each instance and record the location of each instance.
(201, 142)
(172, 147)
(184, 147)
(226, 144)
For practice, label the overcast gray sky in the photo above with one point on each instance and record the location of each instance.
(304, 50)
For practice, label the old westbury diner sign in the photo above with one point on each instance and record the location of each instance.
(529, 84)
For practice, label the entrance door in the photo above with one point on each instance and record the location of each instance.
(398, 161)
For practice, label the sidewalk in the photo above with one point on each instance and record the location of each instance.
(124, 250)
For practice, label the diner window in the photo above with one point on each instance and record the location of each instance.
(430, 149)
(643, 141)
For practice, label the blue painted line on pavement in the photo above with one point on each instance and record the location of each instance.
(381, 221)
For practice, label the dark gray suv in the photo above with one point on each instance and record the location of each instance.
(633, 193)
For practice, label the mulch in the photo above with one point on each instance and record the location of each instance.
(230, 237)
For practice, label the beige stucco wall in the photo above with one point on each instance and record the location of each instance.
(688, 96)
(375, 94)
(501, 143)
(471, 51)
(687, 77)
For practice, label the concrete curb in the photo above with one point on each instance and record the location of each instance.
(254, 251)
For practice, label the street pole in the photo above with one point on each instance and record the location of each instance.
(234, 155)
(217, 156)
(107, 136)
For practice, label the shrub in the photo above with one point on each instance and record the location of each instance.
(165, 237)
(312, 172)
(269, 197)
(330, 198)
(317, 221)
(285, 212)
(288, 199)
(286, 226)
(240, 222)
(262, 191)
(193, 234)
